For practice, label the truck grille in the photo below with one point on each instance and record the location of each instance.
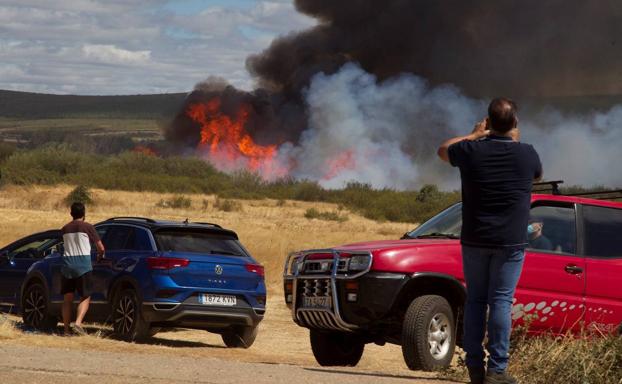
(315, 287)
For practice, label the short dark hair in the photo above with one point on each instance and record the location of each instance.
(502, 114)
(77, 210)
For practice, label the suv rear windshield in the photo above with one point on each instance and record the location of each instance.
(197, 241)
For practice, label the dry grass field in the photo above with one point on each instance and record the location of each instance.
(269, 229)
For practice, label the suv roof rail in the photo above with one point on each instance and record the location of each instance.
(600, 195)
(145, 219)
(204, 223)
(554, 186)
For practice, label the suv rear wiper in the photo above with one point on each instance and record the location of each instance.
(437, 235)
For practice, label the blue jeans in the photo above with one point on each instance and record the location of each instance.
(491, 276)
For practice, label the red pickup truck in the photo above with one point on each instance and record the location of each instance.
(411, 291)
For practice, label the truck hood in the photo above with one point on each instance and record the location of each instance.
(441, 256)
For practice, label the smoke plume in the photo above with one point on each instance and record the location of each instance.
(370, 92)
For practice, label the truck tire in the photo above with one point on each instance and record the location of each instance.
(35, 308)
(240, 337)
(127, 319)
(428, 334)
(336, 349)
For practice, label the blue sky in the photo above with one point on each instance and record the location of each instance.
(135, 46)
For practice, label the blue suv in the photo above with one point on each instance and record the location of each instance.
(156, 274)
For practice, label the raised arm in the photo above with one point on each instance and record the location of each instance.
(481, 130)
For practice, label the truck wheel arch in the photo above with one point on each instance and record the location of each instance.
(429, 283)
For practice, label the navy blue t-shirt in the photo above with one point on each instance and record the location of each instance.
(497, 176)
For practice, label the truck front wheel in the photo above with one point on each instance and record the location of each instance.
(428, 333)
(336, 349)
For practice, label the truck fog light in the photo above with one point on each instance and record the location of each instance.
(289, 298)
(352, 297)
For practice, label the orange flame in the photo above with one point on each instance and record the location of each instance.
(145, 150)
(227, 142)
(339, 163)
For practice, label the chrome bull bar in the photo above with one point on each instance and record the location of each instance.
(321, 318)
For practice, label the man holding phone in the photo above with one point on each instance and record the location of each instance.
(497, 173)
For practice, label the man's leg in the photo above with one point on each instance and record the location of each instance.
(67, 307)
(83, 307)
(505, 270)
(475, 264)
(84, 288)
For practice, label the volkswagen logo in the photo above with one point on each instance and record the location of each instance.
(218, 270)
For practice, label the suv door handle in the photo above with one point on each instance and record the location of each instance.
(573, 269)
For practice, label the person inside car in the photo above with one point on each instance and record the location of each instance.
(77, 267)
(536, 239)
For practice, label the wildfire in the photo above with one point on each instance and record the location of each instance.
(145, 150)
(227, 143)
(339, 163)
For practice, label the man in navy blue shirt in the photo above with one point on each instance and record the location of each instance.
(497, 173)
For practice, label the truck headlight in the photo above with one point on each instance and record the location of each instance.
(297, 266)
(359, 262)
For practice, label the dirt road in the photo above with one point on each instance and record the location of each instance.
(29, 364)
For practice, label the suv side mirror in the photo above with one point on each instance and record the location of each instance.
(4, 256)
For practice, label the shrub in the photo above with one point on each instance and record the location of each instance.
(79, 194)
(175, 202)
(227, 205)
(313, 213)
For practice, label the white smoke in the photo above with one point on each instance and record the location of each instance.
(386, 134)
(382, 134)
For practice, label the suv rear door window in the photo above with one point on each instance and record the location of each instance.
(197, 241)
(603, 227)
(117, 237)
(552, 228)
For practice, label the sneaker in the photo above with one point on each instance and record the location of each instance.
(476, 375)
(493, 377)
(78, 330)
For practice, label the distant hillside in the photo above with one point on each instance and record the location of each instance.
(39, 106)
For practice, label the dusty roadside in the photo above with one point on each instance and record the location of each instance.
(29, 364)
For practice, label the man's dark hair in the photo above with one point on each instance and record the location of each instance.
(502, 114)
(77, 210)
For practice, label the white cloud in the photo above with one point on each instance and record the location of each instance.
(113, 55)
(128, 47)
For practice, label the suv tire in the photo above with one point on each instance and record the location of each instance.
(35, 308)
(336, 349)
(127, 319)
(428, 333)
(240, 337)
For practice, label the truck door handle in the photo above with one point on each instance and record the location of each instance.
(573, 269)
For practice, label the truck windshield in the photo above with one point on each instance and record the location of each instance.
(446, 224)
(196, 241)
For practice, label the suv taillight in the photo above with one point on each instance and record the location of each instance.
(255, 268)
(166, 262)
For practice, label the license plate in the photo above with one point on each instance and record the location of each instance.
(222, 300)
(316, 302)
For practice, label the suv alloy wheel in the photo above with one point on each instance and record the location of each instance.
(428, 333)
(35, 308)
(127, 319)
(239, 337)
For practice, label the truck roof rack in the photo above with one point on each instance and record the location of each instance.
(553, 186)
(145, 219)
(600, 195)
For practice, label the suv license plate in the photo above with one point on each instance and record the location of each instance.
(317, 302)
(222, 300)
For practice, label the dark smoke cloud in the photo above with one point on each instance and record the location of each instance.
(385, 81)
(485, 47)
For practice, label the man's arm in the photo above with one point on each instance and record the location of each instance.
(100, 249)
(481, 130)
